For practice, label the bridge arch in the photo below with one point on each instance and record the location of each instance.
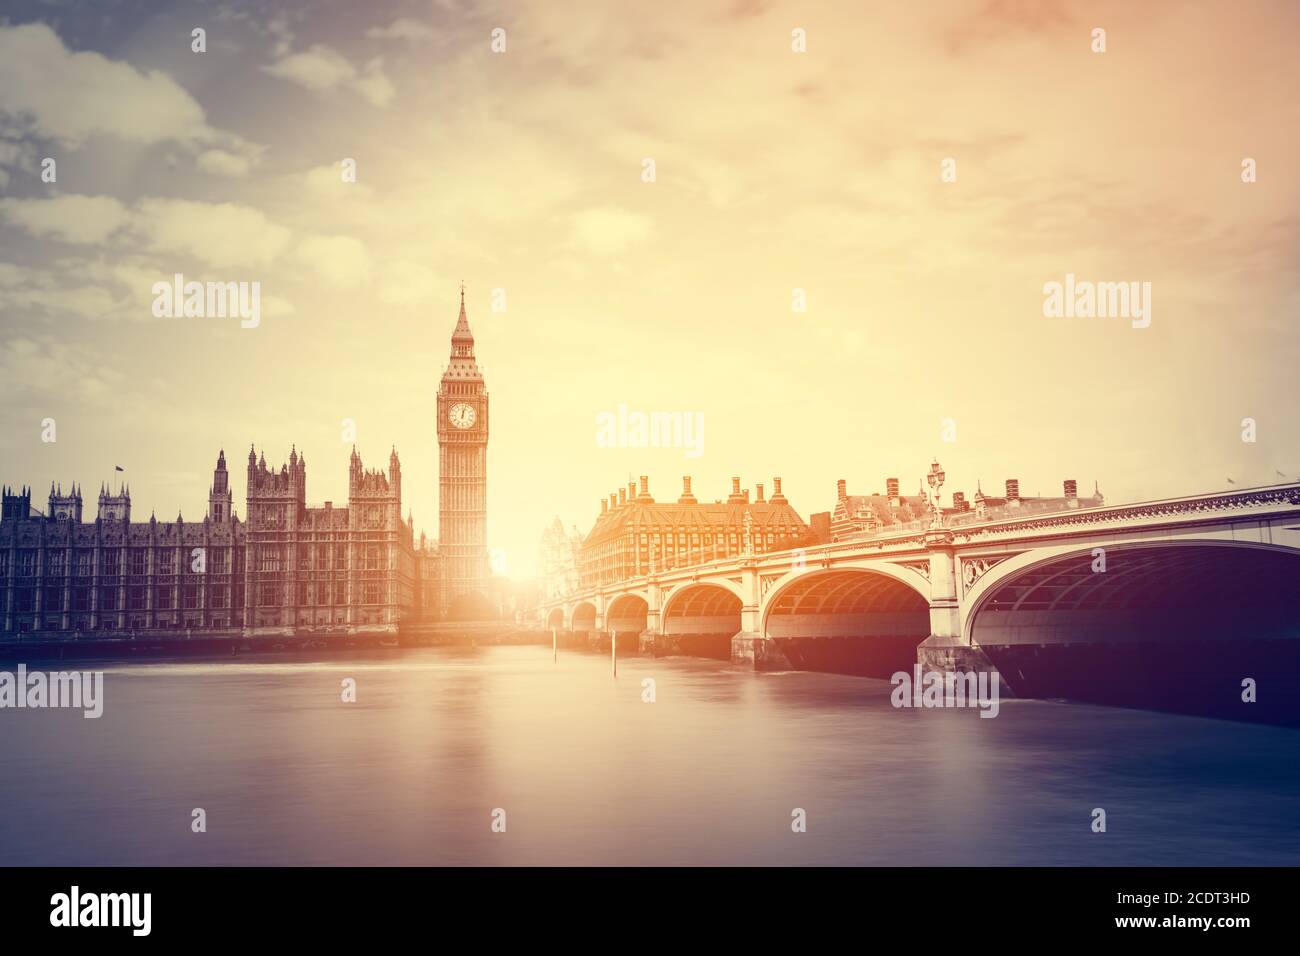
(856, 619)
(627, 613)
(1173, 624)
(1062, 578)
(702, 607)
(699, 619)
(583, 617)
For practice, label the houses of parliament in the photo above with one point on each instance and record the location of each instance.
(285, 567)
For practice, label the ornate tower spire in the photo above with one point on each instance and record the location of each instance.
(462, 366)
(462, 339)
(462, 504)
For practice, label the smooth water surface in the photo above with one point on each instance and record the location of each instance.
(589, 773)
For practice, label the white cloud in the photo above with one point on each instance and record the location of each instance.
(403, 28)
(341, 261)
(83, 301)
(78, 219)
(279, 28)
(406, 283)
(218, 234)
(274, 306)
(64, 291)
(219, 162)
(609, 230)
(374, 85)
(11, 275)
(15, 155)
(39, 365)
(327, 183)
(322, 69)
(93, 289)
(68, 97)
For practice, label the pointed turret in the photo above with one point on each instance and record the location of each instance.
(220, 496)
(462, 333)
(462, 366)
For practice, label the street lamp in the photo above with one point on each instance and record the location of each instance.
(935, 480)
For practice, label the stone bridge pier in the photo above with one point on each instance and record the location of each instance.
(946, 649)
(751, 646)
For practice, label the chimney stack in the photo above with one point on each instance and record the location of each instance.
(622, 496)
(959, 501)
(737, 496)
(759, 493)
(687, 498)
(604, 506)
(1013, 489)
(644, 496)
(841, 488)
(777, 497)
(1071, 493)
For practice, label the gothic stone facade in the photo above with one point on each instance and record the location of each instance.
(286, 568)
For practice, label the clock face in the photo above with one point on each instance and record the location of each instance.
(461, 415)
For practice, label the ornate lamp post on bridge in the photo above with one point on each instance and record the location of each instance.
(935, 480)
(937, 652)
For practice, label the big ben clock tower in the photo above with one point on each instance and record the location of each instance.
(462, 474)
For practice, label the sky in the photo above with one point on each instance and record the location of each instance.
(639, 199)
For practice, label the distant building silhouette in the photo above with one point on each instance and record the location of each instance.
(634, 534)
(855, 515)
(561, 552)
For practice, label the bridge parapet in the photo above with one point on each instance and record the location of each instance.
(1248, 503)
(962, 554)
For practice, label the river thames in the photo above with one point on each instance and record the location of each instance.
(588, 772)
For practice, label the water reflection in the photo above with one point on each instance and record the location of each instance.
(588, 773)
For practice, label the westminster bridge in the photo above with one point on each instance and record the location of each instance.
(1113, 603)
